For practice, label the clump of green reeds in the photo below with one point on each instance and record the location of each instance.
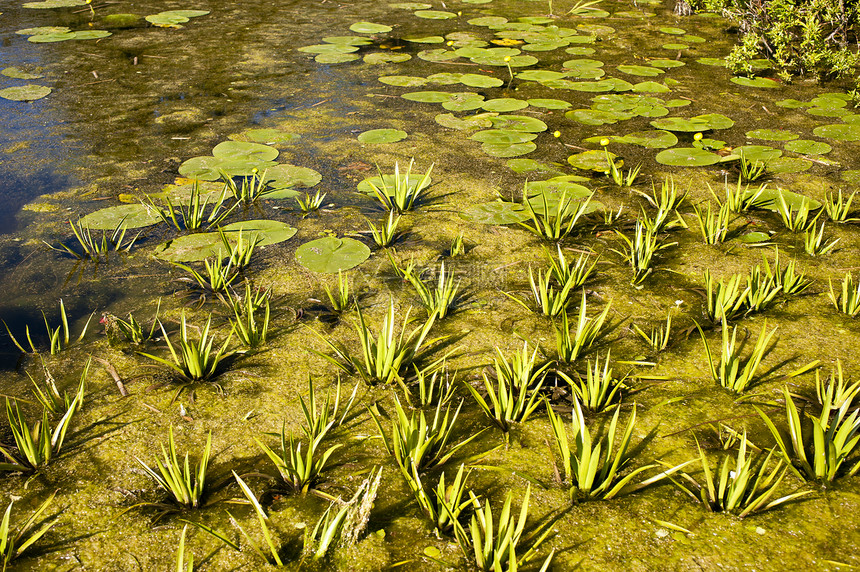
(554, 220)
(385, 356)
(58, 338)
(822, 447)
(639, 251)
(216, 277)
(548, 300)
(724, 300)
(796, 219)
(839, 209)
(239, 252)
(599, 389)
(302, 470)
(442, 298)
(740, 198)
(752, 170)
(570, 345)
(742, 489)
(714, 225)
(15, 540)
(249, 326)
(91, 248)
(443, 503)
(130, 330)
(574, 273)
(514, 396)
(659, 338)
(38, 444)
(458, 246)
(184, 485)
(814, 243)
(592, 467)
(401, 194)
(340, 299)
(192, 211)
(492, 545)
(251, 188)
(433, 385)
(310, 204)
(848, 300)
(733, 372)
(193, 360)
(666, 202)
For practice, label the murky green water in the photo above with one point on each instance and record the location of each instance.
(127, 110)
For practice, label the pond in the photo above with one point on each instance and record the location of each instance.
(555, 252)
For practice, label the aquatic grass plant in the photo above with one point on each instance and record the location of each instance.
(639, 252)
(742, 489)
(714, 226)
(458, 246)
(185, 485)
(795, 219)
(667, 201)
(272, 556)
(724, 299)
(599, 389)
(384, 356)
(751, 170)
(848, 299)
(403, 191)
(492, 545)
(340, 299)
(761, 290)
(433, 385)
(733, 372)
(416, 444)
(239, 253)
(180, 554)
(58, 338)
(570, 346)
(215, 278)
(554, 221)
(814, 243)
(616, 173)
(251, 188)
(839, 209)
(574, 273)
(548, 300)
(386, 234)
(130, 330)
(250, 328)
(301, 471)
(310, 204)
(193, 360)
(837, 391)
(16, 539)
(38, 444)
(592, 466)
(740, 198)
(515, 395)
(49, 395)
(658, 339)
(91, 248)
(819, 448)
(788, 279)
(441, 299)
(192, 211)
(442, 504)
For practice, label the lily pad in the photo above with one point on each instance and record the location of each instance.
(650, 87)
(549, 103)
(435, 14)
(539, 75)
(772, 134)
(694, 124)
(479, 121)
(508, 150)
(427, 96)
(403, 80)
(503, 136)
(495, 213)
(594, 160)
(842, 132)
(330, 255)
(437, 55)
(651, 139)
(646, 71)
(18, 73)
(285, 176)
(673, 46)
(191, 248)
(808, 147)
(519, 123)
(753, 237)
(756, 82)
(55, 4)
(43, 30)
(687, 157)
(761, 153)
(369, 28)
(769, 198)
(386, 58)
(266, 232)
(231, 150)
(29, 92)
(132, 216)
(666, 64)
(335, 58)
(375, 136)
(788, 165)
(504, 104)
(480, 81)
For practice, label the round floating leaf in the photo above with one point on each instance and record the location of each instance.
(646, 71)
(166, 20)
(597, 117)
(132, 216)
(231, 150)
(846, 132)
(437, 55)
(495, 213)
(480, 81)
(650, 87)
(828, 101)
(788, 165)
(48, 38)
(697, 123)
(580, 51)
(761, 153)
(426, 40)
(465, 101)
(330, 255)
(693, 39)
(508, 150)
(55, 4)
(675, 46)
(673, 31)
(719, 62)
(504, 104)
(480, 121)
(755, 236)
(91, 34)
(523, 165)
(369, 28)
(18, 73)
(503, 136)
(488, 21)
(548, 103)
(772, 134)
(266, 232)
(687, 157)
(328, 49)
(403, 80)
(43, 30)
(29, 92)
(191, 248)
(539, 75)
(386, 58)
(203, 168)
(769, 198)
(519, 123)
(828, 112)
(514, 62)
(666, 64)
(335, 58)
(410, 6)
(382, 136)
(651, 139)
(756, 82)
(807, 147)
(285, 176)
(792, 104)
(593, 160)
(427, 96)
(446, 78)
(435, 14)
